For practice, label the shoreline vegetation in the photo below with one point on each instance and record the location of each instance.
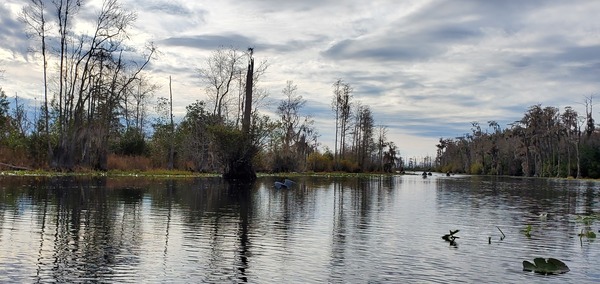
(545, 142)
(181, 174)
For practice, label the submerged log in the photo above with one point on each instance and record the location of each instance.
(19, 168)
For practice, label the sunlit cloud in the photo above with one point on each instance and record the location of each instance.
(427, 69)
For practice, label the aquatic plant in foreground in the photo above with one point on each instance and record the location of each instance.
(543, 266)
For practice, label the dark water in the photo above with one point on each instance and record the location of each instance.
(350, 230)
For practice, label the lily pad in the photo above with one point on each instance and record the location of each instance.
(549, 266)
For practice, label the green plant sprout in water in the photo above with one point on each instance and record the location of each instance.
(587, 233)
(527, 231)
(587, 221)
(543, 266)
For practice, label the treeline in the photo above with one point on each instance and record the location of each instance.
(200, 141)
(544, 143)
(99, 110)
(360, 145)
(92, 83)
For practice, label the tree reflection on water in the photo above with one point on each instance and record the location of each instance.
(379, 228)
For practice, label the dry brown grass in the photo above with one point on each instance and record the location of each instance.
(16, 157)
(129, 163)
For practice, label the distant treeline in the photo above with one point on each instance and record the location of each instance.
(544, 143)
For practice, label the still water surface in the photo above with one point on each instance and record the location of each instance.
(337, 230)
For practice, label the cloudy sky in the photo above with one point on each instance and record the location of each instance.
(427, 68)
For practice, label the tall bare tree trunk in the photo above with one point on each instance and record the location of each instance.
(248, 99)
(61, 159)
(172, 129)
(240, 165)
(578, 157)
(33, 15)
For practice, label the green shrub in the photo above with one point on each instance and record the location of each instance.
(476, 169)
(348, 166)
(318, 162)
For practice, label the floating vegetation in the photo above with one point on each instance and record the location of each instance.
(587, 221)
(588, 233)
(543, 266)
(451, 238)
(527, 231)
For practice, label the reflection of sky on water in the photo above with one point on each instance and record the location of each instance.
(381, 229)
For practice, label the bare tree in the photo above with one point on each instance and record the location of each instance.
(34, 16)
(381, 143)
(93, 80)
(288, 111)
(297, 132)
(335, 106)
(171, 128)
(572, 132)
(341, 106)
(223, 68)
(362, 134)
(64, 10)
(258, 94)
(345, 115)
(590, 125)
(136, 103)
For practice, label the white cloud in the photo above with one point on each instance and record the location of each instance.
(426, 68)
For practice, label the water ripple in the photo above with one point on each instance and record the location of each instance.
(378, 230)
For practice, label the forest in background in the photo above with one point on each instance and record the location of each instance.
(544, 143)
(100, 112)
